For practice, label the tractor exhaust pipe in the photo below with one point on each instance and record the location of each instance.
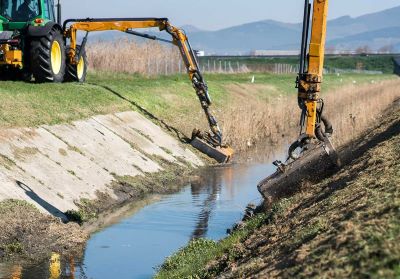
(59, 16)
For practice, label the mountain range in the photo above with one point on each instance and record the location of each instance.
(375, 31)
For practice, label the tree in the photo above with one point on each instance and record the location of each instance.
(386, 49)
(363, 50)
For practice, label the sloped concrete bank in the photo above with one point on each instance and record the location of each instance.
(74, 171)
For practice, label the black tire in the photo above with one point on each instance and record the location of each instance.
(41, 64)
(72, 74)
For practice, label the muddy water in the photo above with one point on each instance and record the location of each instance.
(139, 241)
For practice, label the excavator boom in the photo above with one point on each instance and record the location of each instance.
(312, 155)
(209, 143)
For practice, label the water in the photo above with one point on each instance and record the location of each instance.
(135, 245)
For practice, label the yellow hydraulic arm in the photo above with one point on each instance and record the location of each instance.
(313, 154)
(211, 143)
(310, 76)
(310, 80)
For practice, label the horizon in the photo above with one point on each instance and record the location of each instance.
(299, 22)
(240, 13)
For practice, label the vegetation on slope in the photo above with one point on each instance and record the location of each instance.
(168, 98)
(345, 226)
(27, 233)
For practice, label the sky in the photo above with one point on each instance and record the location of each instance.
(216, 14)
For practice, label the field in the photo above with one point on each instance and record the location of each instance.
(383, 63)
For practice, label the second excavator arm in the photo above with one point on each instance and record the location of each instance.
(210, 143)
(312, 155)
(310, 77)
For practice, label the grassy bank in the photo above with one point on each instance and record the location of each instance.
(345, 226)
(169, 98)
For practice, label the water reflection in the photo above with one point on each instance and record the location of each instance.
(211, 189)
(16, 272)
(138, 243)
(55, 266)
(50, 269)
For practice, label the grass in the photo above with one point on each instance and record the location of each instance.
(344, 227)
(84, 213)
(170, 98)
(7, 205)
(34, 235)
(189, 262)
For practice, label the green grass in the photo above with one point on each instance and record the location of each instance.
(189, 262)
(169, 98)
(9, 205)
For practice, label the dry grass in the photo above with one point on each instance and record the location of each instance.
(151, 58)
(125, 56)
(256, 112)
(352, 109)
(27, 233)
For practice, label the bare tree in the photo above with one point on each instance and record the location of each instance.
(386, 49)
(363, 50)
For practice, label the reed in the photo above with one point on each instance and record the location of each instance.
(352, 109)
(248, 119)
(126, 56)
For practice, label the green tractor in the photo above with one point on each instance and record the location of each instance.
(33, 43)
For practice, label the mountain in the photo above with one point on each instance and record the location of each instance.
(241, 39)
(377, 30)
(347, 26)
(190, 29)
(386, 37)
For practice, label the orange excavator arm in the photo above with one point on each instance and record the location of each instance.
(310, 77)
(210, 143)
(312, 155)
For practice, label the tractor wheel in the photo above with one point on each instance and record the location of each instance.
(47, 57)
(77, 73)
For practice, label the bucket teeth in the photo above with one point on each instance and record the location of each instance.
(220, 154)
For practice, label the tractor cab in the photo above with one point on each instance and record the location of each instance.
(17, 14)
(31, 40)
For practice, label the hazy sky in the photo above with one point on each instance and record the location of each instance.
(216, 14)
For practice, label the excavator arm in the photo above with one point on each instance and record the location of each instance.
(312, 155)
(209, 143)
(309, 81)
